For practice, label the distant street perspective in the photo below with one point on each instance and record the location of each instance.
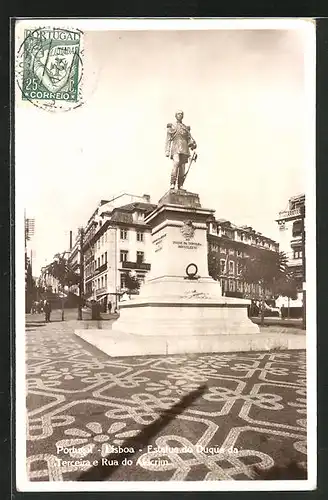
(83, 405)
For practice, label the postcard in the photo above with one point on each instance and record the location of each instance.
(165, 254)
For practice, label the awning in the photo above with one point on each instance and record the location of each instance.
(101, 297)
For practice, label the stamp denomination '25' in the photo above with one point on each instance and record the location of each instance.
(51, 64)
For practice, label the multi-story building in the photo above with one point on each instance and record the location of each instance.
(116, 241)
(232, 244)
(74, 262)
(48, 282)
(292, 237)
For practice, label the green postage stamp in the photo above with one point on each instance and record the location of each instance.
(51, 65)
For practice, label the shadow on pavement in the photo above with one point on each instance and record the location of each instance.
(102, 472)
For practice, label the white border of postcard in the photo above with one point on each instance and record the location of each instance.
(22, 482)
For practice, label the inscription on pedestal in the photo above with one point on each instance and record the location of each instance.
(188, 245)
(158, 242)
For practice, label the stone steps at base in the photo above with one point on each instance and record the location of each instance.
(117, 344)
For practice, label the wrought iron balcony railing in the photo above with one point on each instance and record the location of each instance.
(290, 214)
(135, 265)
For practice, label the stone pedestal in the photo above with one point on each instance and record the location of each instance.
(180, 308)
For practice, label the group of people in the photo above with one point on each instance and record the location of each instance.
(43, 306)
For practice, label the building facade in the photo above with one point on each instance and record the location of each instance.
(74, 262)
(292, 238)
(116, 242)
(231, 244)
(48, 282)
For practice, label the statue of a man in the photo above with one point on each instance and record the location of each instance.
(178, 143)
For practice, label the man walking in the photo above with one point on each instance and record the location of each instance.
(47, 310)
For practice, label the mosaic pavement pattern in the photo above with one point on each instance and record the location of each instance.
(83, 405)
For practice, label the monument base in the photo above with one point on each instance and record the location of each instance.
(120, 344)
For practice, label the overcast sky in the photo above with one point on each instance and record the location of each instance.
(242, 93)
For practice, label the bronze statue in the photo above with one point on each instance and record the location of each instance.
(179, 142)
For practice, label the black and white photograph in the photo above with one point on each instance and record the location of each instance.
(165, 254)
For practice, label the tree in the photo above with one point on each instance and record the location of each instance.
(268, 269)
(287, 287)
(213, 260)
(131, 282)
(61, 271)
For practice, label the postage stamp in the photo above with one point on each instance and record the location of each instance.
(50, 67)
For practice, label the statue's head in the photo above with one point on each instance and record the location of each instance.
(179, 115)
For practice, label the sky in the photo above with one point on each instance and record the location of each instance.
(242, 93)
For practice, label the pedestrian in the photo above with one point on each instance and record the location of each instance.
(109, 307)
(47, 310)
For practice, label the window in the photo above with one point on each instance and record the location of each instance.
(297, 228)
(231, 286)
(98, 262)
(222, 266)
(106, 280)
(231, 251)
(231, 267)
(215, 247)
(123, 255)
(106, 237)
(239, 268)
(223, 250)
(106, 257)
(102, 259)
(298, 254)
(102, 282)
(123, 234)
(140, 215)
(122, 279)
(140, 236)
(140, 257)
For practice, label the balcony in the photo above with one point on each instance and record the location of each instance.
(101, 291)
(290, 214)
(135, 265)
(100, 269)
(295, 262)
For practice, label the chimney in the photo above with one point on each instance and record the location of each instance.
(146, 197)
(70, 240)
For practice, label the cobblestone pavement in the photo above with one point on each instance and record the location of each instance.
(83, 406)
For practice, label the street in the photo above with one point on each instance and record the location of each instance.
(84, 406)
